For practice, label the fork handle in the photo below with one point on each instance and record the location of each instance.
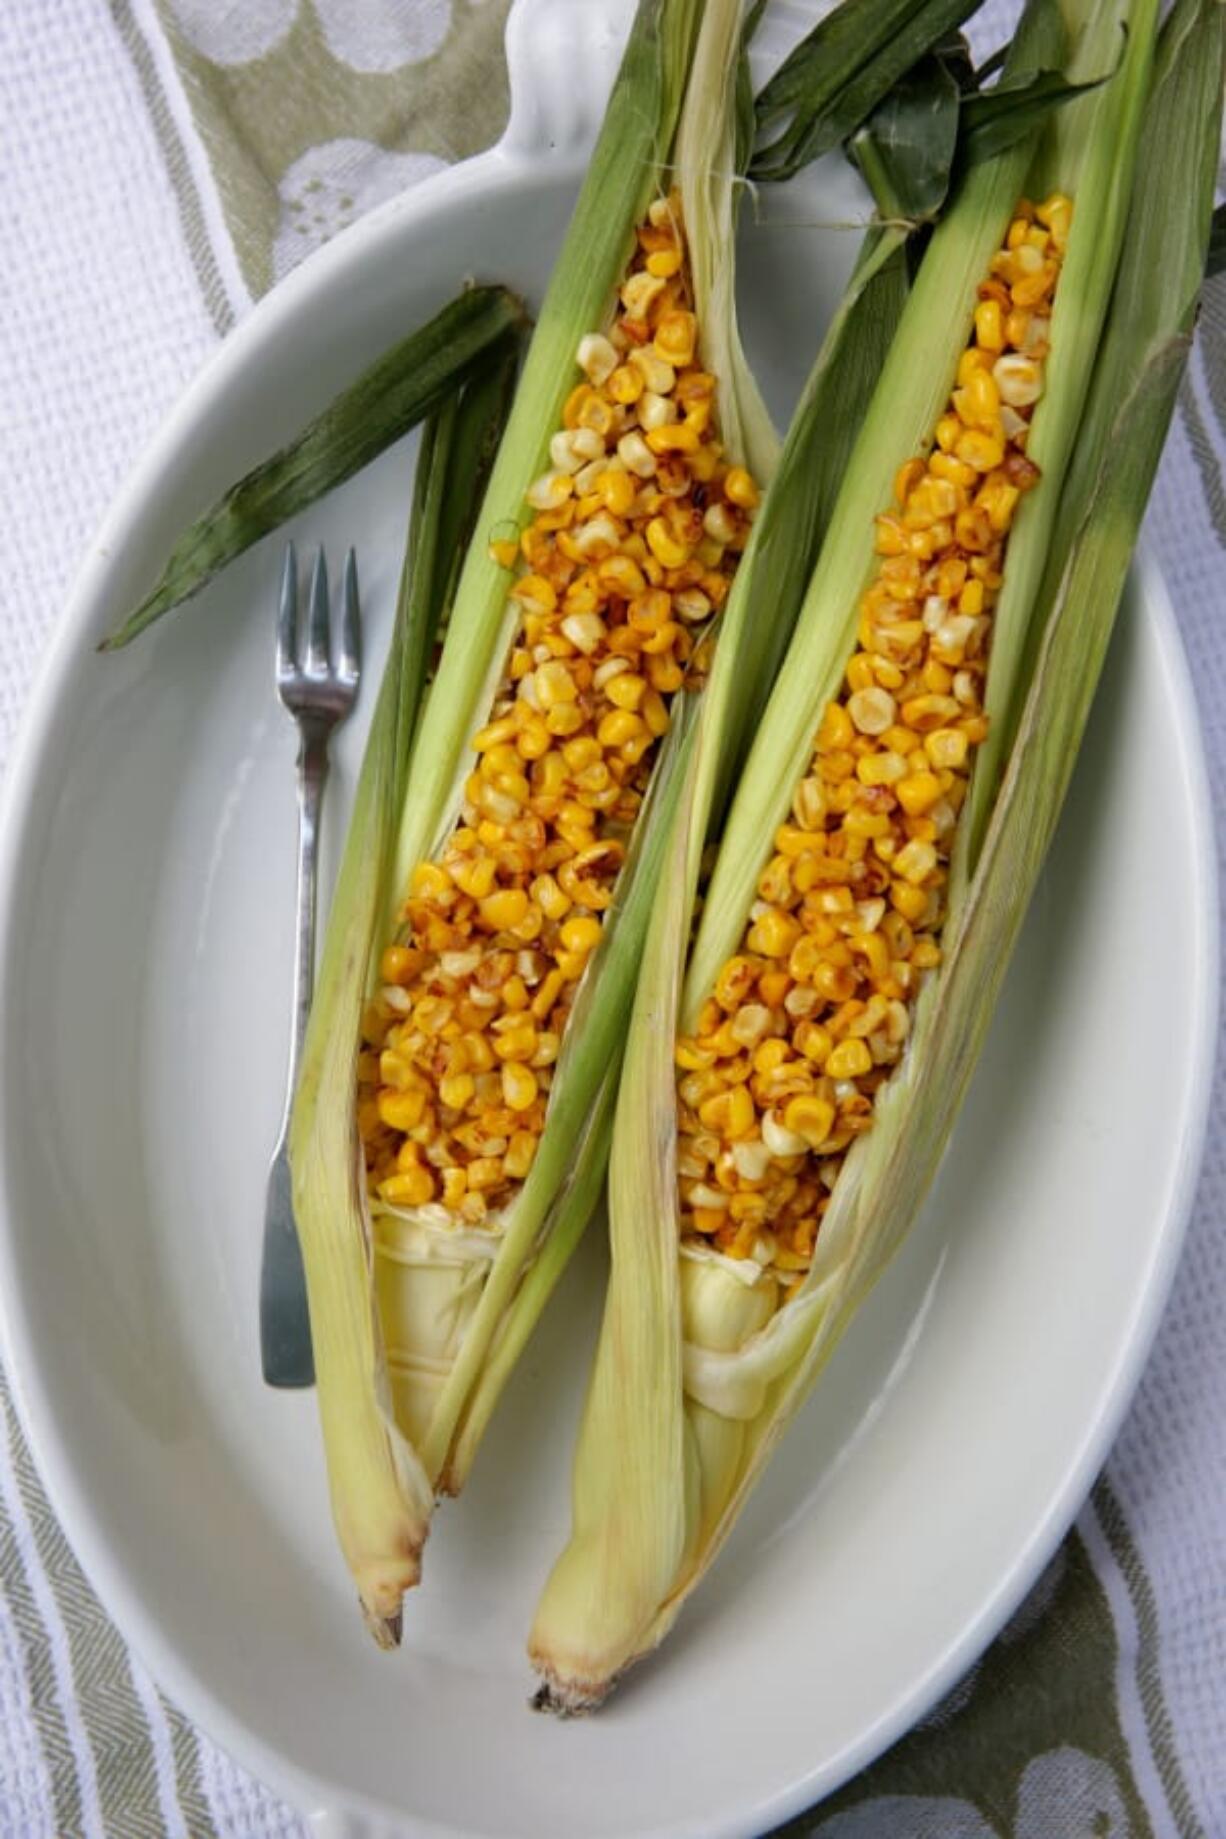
(312, 776)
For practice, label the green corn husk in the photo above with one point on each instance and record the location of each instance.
(431, 1316)
(699, 1371)
(838, 74)
(392, 396)
(369, 1463)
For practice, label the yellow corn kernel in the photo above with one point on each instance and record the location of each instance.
(918, 792)
(484, 1172)
(915, 862)
(455, 1186)
(980, 449)
(675, 338)
(970, 600)
(520, 1154)
(519, 1086)
(664, 263)
(581, 933)
(675, 437)
(402, 1110)
(408, 1188)
(617, 489)
(946, 747)
(774, 934)
(861, 822)
(564, 718)
(517, 1040)
(626, 690)
(547, 993)
(948, 430)
(836, 732)
(911, 902)
(655, 714)
(739, 489)
(549, 897)
(668, 551)
(972, 360)
(880, 768)
(618, 727)
(851, 1059)
(554, 684)
(397, 965)
(430, 882)
(456, 1090)
(504, 552)
(730, 1113)
(989, 328)
(811, 1116)
(395, 1070)
(504, 909)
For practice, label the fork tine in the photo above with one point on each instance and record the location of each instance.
(351, 623)
(318, 624)
(287, 616)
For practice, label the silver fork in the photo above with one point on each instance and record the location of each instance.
(318, 690)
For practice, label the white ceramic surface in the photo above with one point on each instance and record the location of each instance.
(145, 928)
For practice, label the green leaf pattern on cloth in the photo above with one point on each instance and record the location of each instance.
(314, 111)
(1027, 1746)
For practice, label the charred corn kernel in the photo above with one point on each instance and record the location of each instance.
(814, 1009)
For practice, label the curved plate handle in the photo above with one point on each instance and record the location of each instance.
(562, 56)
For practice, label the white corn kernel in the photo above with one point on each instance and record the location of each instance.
(597, 358)
(1019, 380)
(636, 456)
(657, 373)
(586, 631)
(780, 1141)
(549, 492)
(751, 1158)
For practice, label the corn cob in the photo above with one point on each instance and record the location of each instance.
(775, 1086)
(493, 984)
